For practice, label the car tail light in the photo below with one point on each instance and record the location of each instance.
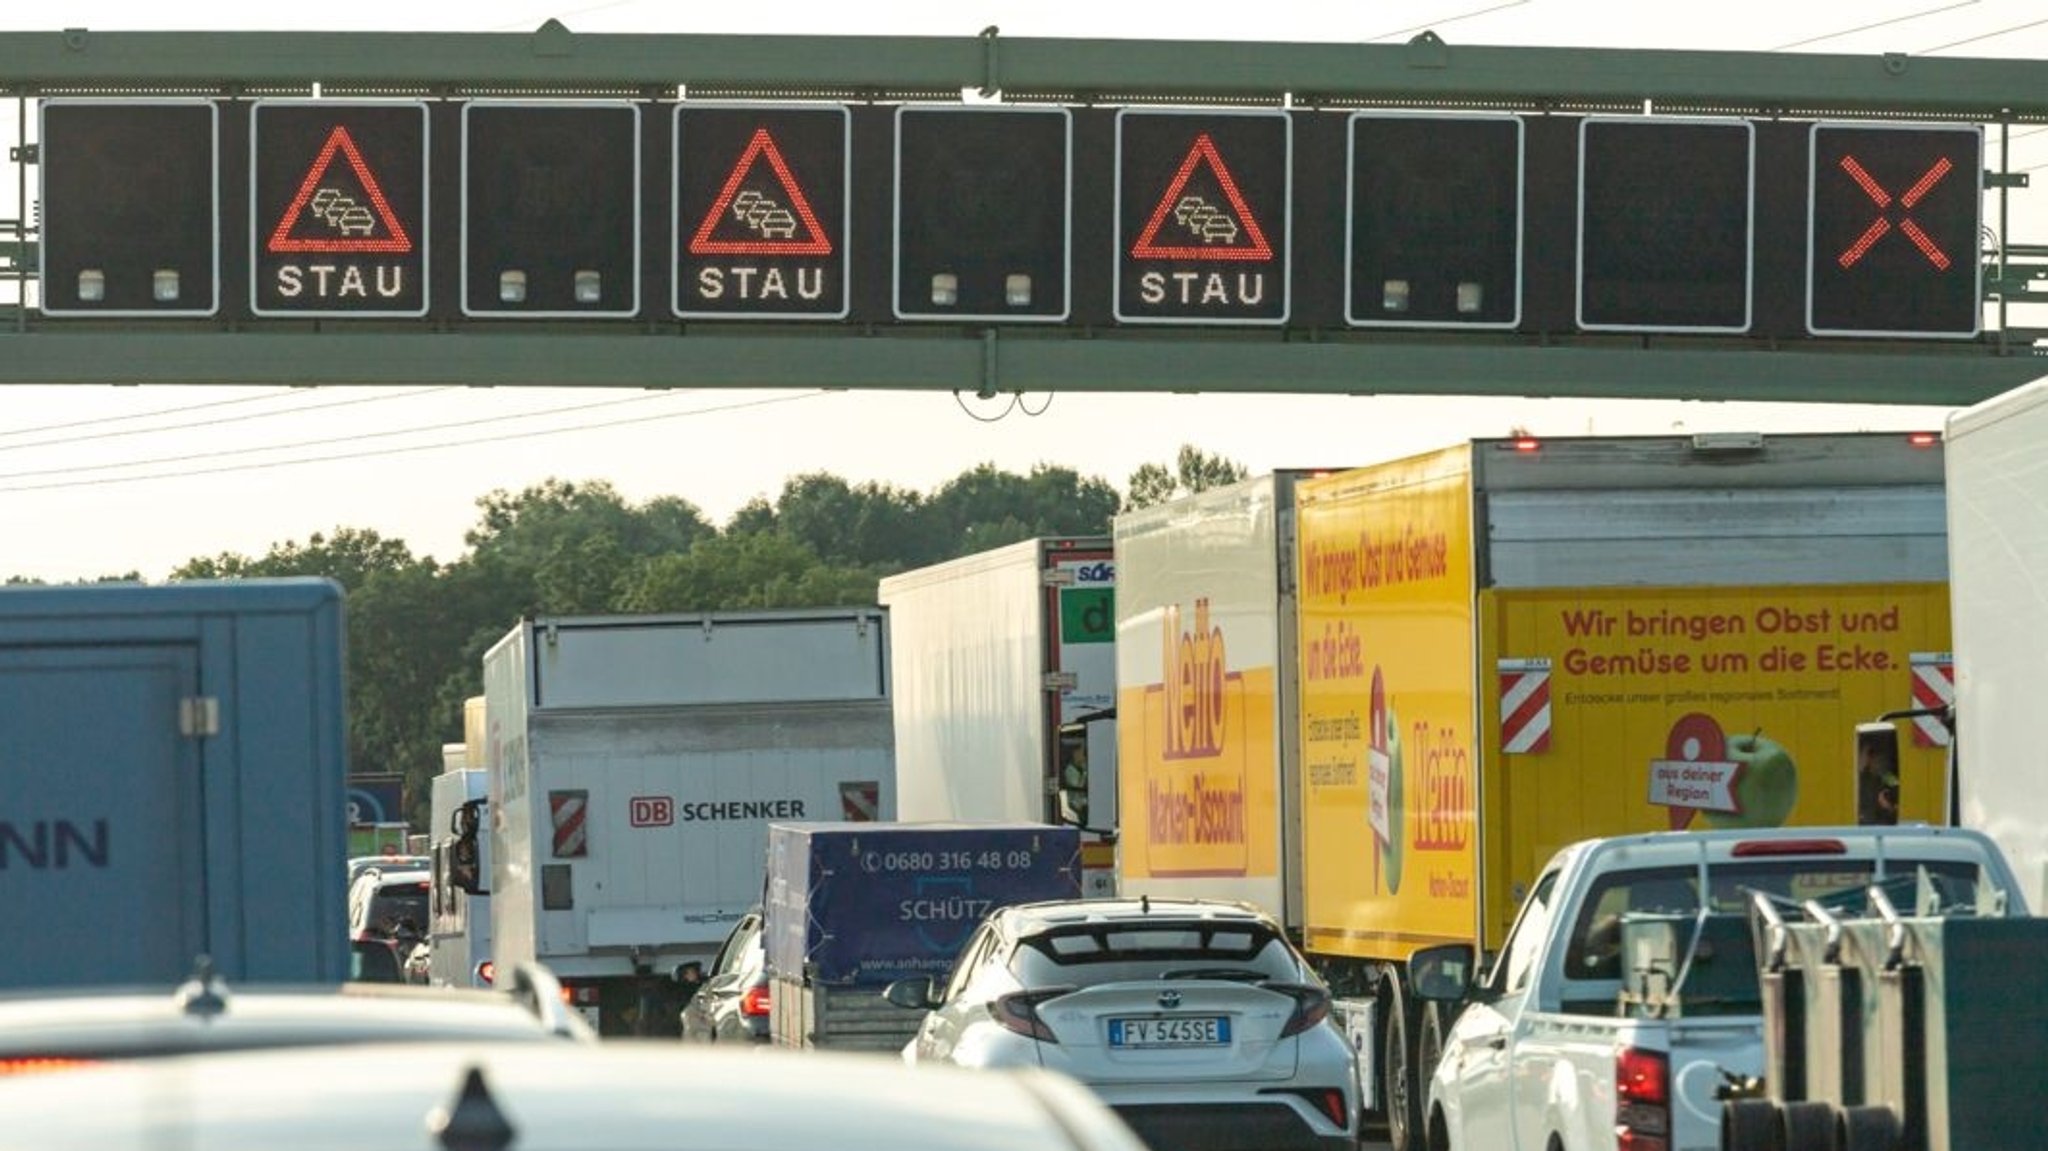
(1311, 1006)
(1018, 1011)
(486, 973)
(1642, 1090)
(581, 995)
(1750, 848)
(36, 1064)
(756, 1001)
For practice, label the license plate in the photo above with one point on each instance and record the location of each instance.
(1181, 1031)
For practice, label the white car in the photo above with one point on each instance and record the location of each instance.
(619, 1095)
(1196, 1020)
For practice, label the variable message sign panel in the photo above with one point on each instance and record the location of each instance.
(1434, 226)
(1203, 227)
(338, 208)
(130, 207)
(761, 211)
(1893, 235)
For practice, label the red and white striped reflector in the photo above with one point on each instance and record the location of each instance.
(1934, 685)
(1524, 706)
(567, 809)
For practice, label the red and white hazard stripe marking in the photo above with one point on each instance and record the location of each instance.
(1524, 705)
(567, 809)
(860, 801)
(1934, 685)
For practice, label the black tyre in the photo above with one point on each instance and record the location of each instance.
(1806, 1126)
(1750, 1125)
(1397, 1078)
(1867, 1129)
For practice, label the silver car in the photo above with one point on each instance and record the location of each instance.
(1196, 1020)
(619, 1095)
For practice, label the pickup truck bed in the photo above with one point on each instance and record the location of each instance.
(1625, 998)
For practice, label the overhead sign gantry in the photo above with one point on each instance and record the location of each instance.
(1544, 245)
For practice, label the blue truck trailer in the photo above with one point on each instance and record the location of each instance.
(852, 906)
(171, 782)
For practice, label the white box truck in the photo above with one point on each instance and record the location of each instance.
(1005, 690)
(1998, 575)
(459, 914)
(635, 763)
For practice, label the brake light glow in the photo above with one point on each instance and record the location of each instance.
(1750, 848)
(1642, 1089)
(1018, 1011)
(756, 1001)
(1311, 1006)
(1923, 439)
(37, 1064)
(1528, 444)
(487, 973)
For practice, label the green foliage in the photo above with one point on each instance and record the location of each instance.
(417, 628)
(1193, 471)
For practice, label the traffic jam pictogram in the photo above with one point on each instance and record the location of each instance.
(339, 208)
(1202, 216)
(761, 200)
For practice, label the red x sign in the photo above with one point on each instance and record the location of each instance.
(1882, 224)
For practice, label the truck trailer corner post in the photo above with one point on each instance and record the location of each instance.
(635, 765)
(1481, 654)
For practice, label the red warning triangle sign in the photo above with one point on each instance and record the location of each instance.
(329, 216)
(1226, 231)
(750, 221)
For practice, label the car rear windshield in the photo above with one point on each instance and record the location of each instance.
(1841, 885)
(398, 903)
(1084, 955)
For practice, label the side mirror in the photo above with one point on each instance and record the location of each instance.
(465, 866)
(1442, 974)
(916, 993)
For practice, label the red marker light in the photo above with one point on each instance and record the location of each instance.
(1528, 444)
(1924, 439)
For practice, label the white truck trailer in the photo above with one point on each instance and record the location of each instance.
(1005, 691)
(635, 763)
(1998, 578)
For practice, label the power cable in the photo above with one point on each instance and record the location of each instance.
(1434, 24)
(358, 437)
(1985, 36)
(226, 420)
(1869, 27)
(179, 410)
(394, 451)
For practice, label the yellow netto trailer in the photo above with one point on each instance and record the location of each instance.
(1376, 700)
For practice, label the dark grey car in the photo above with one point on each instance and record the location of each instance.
(732, 1004)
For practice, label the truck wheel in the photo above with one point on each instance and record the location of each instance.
(1750, 1125)
(1808, 1125)
(1397, 1078)
(1873, 1128)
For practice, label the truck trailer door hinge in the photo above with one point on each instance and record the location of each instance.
(1061, 681)
(1056, 577)
(198, 716)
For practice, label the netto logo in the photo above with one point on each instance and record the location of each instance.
(1193, 663)
(1103, 572)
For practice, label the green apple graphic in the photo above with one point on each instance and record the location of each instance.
(1765, 788)
(1397, 804)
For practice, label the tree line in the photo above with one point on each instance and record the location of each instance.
(418, 628)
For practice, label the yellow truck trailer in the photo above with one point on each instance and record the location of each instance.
(1376, 700)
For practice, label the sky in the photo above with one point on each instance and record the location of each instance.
(98, 481)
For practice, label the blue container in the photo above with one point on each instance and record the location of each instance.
(867, 903)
